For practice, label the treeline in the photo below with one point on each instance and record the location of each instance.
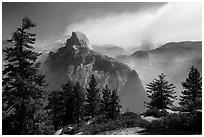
(74, 104)
(162, 95)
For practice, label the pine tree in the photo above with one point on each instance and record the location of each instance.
(62, 105)
(114, 104)
(68, 102)
(191, 98)
(42, 124)
(160, 93)
(67, 106)
(92, 98)
(57, 108)
(105, 101)
(23, 87)
(78, 103)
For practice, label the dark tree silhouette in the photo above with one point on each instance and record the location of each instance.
(68, 102)
(110, 103)
(191, 98)
(92, 98)
(57, 108)
(114, 104)
(160, 93)
(105, 101)
(67, 106)
(78, 103)
(23, 88)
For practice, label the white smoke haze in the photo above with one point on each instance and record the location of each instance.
(171, 22)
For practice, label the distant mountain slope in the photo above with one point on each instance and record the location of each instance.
(174, 59)
(109, 50)
(77, 61)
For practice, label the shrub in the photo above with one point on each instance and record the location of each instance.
(163, 112)
(130, 119)
(156, 124)
(172, 121)
(192, 121)
(182, 121)
(128, 116)
(125, 120)
(152, 112)
(156, 112)
(93, 129)
(100, 119)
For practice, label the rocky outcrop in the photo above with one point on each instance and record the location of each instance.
(77, 61)
(78, 40)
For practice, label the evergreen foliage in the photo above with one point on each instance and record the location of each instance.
(23, 93)
(191, 98)
(92, 98)
(114, 104)
(78, 103)
(67, 106)
(160, 93)
(56, 107)
(110, 103)
(105, 101)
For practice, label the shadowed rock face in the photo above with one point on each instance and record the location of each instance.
(78, 40)
(77, 61)
(133, 99)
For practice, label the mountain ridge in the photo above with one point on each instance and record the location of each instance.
(77, 61)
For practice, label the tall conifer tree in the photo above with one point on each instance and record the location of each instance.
(160, 93)
(114, 104)
(92, 97)
(78, 103)
(68, 102)
(57, 109)
(191, 98)
(105, 101)
(23, 88)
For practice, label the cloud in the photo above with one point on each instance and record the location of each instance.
(171, 22)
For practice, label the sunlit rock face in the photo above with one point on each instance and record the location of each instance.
(76, 61)
(77, 41)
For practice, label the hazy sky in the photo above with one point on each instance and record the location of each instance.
(128, 25)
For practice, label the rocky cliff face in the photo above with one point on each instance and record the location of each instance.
(77, 61)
